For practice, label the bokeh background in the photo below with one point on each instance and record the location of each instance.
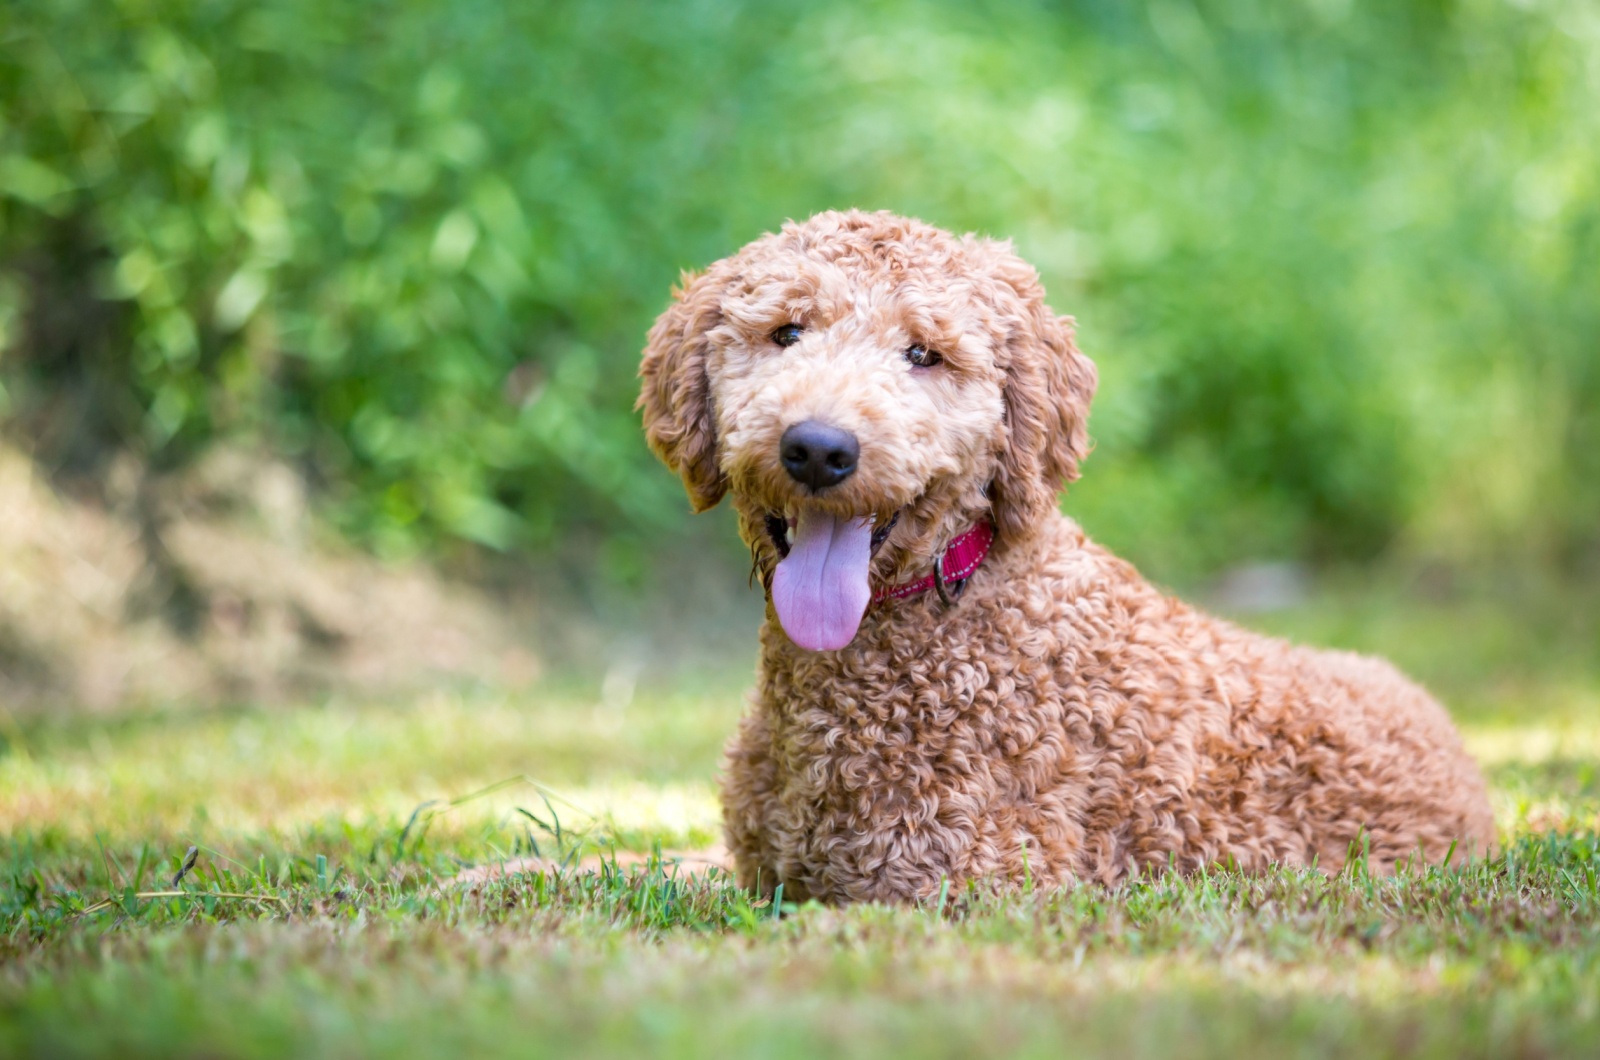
(319, 322)
(333, 562)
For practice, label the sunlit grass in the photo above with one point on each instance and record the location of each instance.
(648, 766)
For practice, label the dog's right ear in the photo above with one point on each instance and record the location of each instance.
(675, 395)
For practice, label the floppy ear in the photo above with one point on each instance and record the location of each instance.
(1048, 387)
(675, 394)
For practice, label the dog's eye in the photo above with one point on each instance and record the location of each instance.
(922, 357)
(787, 335)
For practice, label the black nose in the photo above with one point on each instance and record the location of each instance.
(818, 455)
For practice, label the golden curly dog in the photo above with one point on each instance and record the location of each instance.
(955, 683)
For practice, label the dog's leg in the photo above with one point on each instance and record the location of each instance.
(749, 782)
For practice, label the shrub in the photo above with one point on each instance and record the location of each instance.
(1337, 262)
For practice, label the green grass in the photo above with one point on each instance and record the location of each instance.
(318, 916)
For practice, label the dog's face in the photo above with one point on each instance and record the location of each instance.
(866, 387)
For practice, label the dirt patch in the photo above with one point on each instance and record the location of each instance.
(213, 586)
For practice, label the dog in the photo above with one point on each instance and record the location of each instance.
(955, 683)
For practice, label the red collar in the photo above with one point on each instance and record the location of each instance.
(950, 571)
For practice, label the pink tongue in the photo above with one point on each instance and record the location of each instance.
(820, 589)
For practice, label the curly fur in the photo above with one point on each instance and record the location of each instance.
(1064, 719)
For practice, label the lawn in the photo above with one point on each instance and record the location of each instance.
(318, 915)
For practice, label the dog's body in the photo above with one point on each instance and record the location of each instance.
(1059, 718)
(1064, 720)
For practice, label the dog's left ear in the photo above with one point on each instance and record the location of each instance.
(674, 393)
(1048, 387)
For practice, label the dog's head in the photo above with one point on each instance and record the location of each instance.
(867, 387)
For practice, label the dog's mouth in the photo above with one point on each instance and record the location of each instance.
(781, 529)
(821, 586)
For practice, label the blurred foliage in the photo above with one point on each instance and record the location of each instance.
(1339, 261)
